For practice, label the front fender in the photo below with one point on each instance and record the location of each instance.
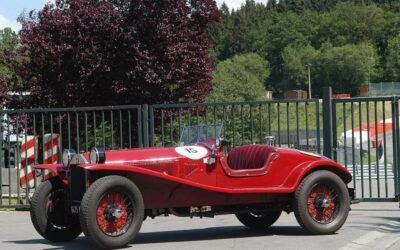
(52, 167)
(298, 173)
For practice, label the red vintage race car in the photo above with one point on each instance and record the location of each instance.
(108, 194)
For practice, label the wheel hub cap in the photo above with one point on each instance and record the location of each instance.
(322, 203)
(114, 213)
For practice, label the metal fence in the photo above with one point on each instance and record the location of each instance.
(360, 133)
(367, 143)
(29, 137)
(295, 124)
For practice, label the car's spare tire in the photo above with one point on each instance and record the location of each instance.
(49, 213)
(321, 202)
(259, 220)
(112, 212)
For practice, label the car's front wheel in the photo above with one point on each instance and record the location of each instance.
(321, 203)
(49, 213)
(112, 212)
(259, 220)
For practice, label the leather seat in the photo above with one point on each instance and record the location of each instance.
(249, 156)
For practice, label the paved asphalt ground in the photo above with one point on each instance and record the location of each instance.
(369, 226)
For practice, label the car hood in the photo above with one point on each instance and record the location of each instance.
(169, 154)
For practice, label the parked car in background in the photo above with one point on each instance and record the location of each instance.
(108, 194)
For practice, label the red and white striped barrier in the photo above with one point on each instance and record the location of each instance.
(51, 149)
(27, 153)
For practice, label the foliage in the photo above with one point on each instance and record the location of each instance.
(330, 34)
(241, 31)
(9, 42)
(118, 52)
(295, 59)
(104, 137)
(345, 68)
(4, 98)
(393, 58)
(351, 24)
(240, 78)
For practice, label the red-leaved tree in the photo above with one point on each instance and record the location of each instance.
(110, 52)
(4, 98)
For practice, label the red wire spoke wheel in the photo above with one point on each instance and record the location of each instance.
(114, 213)
(321, 202)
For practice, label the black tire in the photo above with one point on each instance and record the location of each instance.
(101, 223)
(48, 213)
(321, 203)
(259, 220)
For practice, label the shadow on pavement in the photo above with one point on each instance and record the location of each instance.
(79, 243)
(213, 233)
(216, 233)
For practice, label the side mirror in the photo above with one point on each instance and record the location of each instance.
(223, 143)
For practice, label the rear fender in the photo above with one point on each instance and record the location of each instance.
(298, 173)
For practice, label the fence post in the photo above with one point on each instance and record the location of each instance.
(395, 135)
(327, 122)
(145, 124)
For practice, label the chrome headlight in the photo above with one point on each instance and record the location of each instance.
(67, 156)
(97, 155)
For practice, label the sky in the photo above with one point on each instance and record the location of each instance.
(11, 9)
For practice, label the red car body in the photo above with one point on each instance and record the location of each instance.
(109, 198)
(168, 179)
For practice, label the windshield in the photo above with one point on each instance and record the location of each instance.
(204, 134)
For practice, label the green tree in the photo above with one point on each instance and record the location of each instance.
(345, 68)
(240, 78)
(283, 30)
(351, 23)
(393, 59)
(241, 31)
(295, 58)
(8, 44)
(10, 61)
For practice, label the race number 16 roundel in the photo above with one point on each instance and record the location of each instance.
(192, 152)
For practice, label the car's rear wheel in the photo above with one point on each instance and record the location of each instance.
(112, 212)
(49, 214)
(322, 203)
(259, 220)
